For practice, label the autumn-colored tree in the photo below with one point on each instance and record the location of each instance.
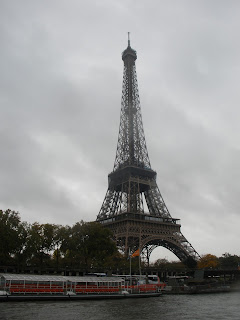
(208, 261)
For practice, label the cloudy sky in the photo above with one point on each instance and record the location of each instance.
(60, 99)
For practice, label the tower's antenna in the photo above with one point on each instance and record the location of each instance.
(129, 39)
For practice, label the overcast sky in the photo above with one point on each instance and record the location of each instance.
(60, 98)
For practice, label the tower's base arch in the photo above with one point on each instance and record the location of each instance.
(132, 233)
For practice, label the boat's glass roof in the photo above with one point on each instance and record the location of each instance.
(35, 277)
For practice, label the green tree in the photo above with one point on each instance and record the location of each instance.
(61, 244)
(228, 261)
(21, 247)
(66, 246)
(89, 246)
(40, 243)
(161, 263)
(13, 234)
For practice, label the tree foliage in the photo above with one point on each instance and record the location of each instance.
(228, 261)
(208, 261)
(85, 245)
(165, 265)
(13, 236)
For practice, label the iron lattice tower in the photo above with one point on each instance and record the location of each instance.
(133, 180)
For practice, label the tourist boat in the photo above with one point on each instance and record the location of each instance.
(47, 287)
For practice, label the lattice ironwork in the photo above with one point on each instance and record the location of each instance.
(131, 148)
(133, 207)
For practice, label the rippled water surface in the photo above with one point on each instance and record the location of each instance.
(173, 307)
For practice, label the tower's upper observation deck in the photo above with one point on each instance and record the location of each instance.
(129, 52)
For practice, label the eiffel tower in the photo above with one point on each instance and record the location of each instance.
(132, 185)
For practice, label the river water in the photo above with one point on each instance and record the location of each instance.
(168, 307)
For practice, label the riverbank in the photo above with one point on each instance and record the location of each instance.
(200, 289)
